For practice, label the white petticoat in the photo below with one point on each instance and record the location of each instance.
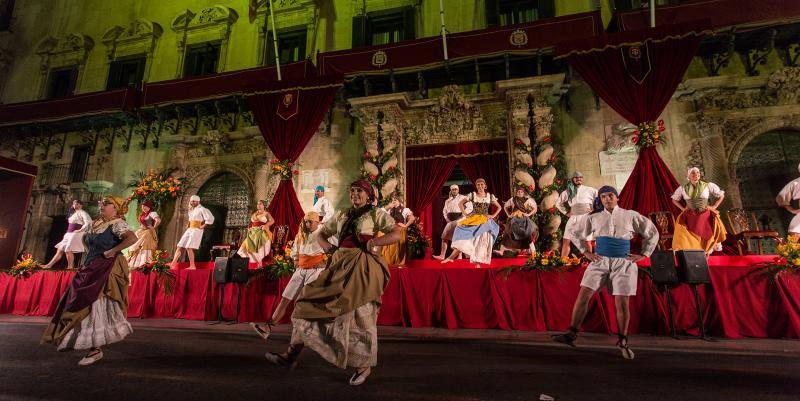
(191, 238)
(106, 324)
(575, 223)
(794, 225)
(72, 242)
(143, 257)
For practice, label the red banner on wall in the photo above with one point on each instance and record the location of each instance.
(96, 103)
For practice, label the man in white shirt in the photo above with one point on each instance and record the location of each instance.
(199, 218)
(613, 266)
(784, 199)
(579, 198)
(322, 206)
(452, 215)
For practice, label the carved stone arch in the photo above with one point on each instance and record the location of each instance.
(205, 173)
(763, 126)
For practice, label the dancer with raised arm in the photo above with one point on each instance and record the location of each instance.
(336, 315)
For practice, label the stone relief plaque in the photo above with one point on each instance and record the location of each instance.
(618, 165)
(309, 179)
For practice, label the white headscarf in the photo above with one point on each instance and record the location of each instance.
(194, 198)
(690, 171)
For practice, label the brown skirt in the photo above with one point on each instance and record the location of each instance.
(76, 303)
(354, 278)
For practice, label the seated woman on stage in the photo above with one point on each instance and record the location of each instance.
(698, 226)
(92, 312)
(258, 242)
(521, 232)
(141, 253)
(475, 235)
(395, 254)
(79, 223)
(309, 258)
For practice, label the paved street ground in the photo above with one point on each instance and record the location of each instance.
(183, 360)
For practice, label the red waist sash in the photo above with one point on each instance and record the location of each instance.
(348, 242)
(256, 224)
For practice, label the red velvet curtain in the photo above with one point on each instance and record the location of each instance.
(288, 114)
(428, 167)
(424, 180)
(492, 168)
(637, 73)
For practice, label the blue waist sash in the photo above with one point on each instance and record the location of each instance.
(611, 247)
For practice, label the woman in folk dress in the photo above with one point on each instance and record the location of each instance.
(258, 242)
(141, 253)
(72, 243)
(92, 311)
(475, 235)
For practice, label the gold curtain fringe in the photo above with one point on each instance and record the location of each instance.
(457, 156)
(293, 88)
(651, 40)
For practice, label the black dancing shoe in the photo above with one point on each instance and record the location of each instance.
(565, 338)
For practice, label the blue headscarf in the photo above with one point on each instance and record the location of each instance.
(318, 188)
(598, 205)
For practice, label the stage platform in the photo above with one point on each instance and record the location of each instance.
(740, 302)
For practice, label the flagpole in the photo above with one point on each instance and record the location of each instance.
(444, 34)
(275, 38)
(652, 14)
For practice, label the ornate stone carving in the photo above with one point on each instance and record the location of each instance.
(212, 24)
(785, 83)
(139, 37)
(452, 118)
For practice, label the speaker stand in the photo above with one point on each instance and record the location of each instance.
(671, 315)
(700, 323)
(238, 303)
(221, 302)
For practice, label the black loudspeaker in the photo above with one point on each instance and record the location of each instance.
(230, 270)
(221, 272)
(238, 269)
(662, 265)
(694, 266)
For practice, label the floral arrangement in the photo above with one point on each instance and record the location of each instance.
(283, 168)
(24, 267)
(159, 265)
(156, 187)
(549, 260)
(417, 241)
(282, 265)
(649, 134)
(788, 259)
